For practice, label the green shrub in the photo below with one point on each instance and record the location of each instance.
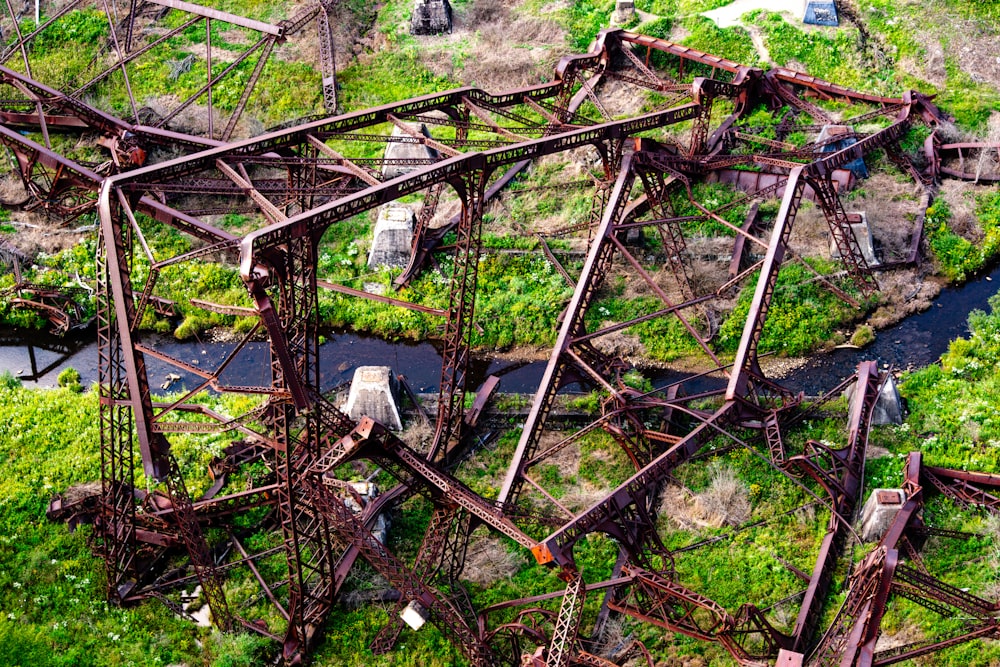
(863, 335)
(803, 315)
(69, 378)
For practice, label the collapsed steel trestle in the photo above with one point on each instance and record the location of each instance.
(300, 180)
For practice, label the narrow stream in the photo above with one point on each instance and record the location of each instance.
(917, 341)
(37, 358)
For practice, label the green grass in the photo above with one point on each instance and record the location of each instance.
(830, 55)
(52, 605)
(733, 43)
(957, 257)
(803, 315)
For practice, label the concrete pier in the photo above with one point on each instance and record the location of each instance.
(392, 239)
(879, 512)
(430, 17)
(374, 394)
(408, 148)
(863, 235)
(820, 12)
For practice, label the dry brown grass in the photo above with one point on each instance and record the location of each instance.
(725, 502)
(12, 192)
(504, 50)
(488, 561)
(989, 160)
(583, 497)
(418, 436)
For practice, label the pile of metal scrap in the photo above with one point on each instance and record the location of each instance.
(299, 449)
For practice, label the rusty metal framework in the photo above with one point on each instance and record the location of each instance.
(295, 444)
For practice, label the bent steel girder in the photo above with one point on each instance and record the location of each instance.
(971, 161)
(851, 639)
(839, 472)
(667, 604)
(289, 277)
(566, 362)
(139, 33)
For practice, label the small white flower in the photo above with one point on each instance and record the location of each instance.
(17, 584)
(11, 617)
(53, 562)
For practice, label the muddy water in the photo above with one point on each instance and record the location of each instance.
(37, 359)
(917, 341)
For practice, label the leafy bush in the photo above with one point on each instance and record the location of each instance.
(70, 379)
(863, 335)
(958, 257)
(956, 399)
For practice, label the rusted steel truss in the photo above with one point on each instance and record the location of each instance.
(298, 182)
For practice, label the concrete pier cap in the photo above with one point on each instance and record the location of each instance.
(374, 393)
(879, 513)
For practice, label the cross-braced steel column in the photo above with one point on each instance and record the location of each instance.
(292, 327)
(461, 309)
(116, 530)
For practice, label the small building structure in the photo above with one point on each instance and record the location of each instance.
(829, 134)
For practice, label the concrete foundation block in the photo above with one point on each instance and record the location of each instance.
(374, 393)
(392, 239)
(407, 149)
(414, 615)
(888, 406)
(430, 17)
(820, 12)
(862, 234)
(788, 658)
(367, 491)
(879, 512)
(624, 12)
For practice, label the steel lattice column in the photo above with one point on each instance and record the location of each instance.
(116, 528)
(461, 309)
(294, 343)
